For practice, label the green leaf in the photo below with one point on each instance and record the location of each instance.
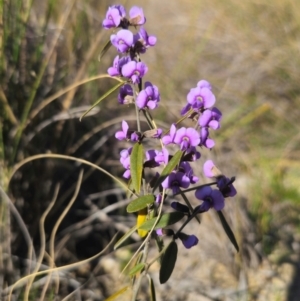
(228, 230)
(151, 288)
(168, 169)
(136, 269)
(101, 98)
(168, 262)
(164, 221)
(136, 166)
(104, 49)
(120, 242)
(140, 203)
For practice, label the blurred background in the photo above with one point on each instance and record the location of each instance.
(50, 74)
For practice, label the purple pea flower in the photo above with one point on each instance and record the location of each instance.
(169, 138)
(123, 40)
(212, 198)
(201, 96)
(114, 15)
(126, 134)
(134, 70)
(118, 63)
(225, 186)
(150, 158)
(191, 154)
(142, 41)
(125, 161)
(204, 140)
(162, 157)
(223, 183)
(210, 118)
(136, 15)
(186, 168)
(125, 95)
(186, 137)
(149, 97)
(188, 240)
(176, 180)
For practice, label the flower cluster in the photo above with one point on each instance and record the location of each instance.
(199, 108)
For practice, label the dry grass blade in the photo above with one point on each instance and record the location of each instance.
(43, 242)
(48, 100)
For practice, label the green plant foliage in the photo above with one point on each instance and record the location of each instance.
(168, 262)
(136, 166)
(228, 230)
(140, 203)
(137, 268)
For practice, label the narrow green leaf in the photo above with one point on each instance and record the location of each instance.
(104, 49)
(164, 221)
(228, 230)
(151, 288)
(101, 98)
(118, 293)
(136, 166)
(136, 269)
(140, 203)
(168, 262)
(168, 169)
(120, 242)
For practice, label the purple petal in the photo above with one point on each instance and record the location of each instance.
(137, 16)
(204, 84)
(208, 169)
(203, 192)
(209, 98)
(217, 199)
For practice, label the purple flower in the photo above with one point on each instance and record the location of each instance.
(188, 240)
(136, 15)
(118, 63)
(186, 168)
(201, 97)
(223, 183)
(142, 41)
(167, 139)
(123, 40)
(150, 158)
(212, 198)
(149, 97)
(204, 140)
(191, 154)
(125, 95)
(134, 70)
(210, 118)
(114, 15)
(186, 137)
(162, 157)
(176, 180)
(225, 186)
(126, 134)
(125, 161)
